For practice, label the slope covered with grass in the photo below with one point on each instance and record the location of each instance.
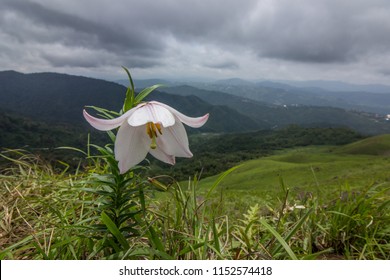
(377, 145)
(323, 171)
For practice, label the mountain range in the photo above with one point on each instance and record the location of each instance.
(271, 116)
(368, 98)
(333, 86)
(58, 99)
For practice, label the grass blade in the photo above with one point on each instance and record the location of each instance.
(279, 238)
(220, 178)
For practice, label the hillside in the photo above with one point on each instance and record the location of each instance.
(215, 153)
(222, 118)
(281, 93)
(368, 98)
(19, 132)
(273, 116)
(60, 98)
(377, 145)
(56, 97)
(305, 171)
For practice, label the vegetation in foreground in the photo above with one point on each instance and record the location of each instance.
(113, 211)
(51, 215)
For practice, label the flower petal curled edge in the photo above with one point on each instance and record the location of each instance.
(133, 143)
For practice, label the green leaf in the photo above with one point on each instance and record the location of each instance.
(72, 149)
(216, 235)
(298, 225)
(220, 178)
(191, 248)
(145, 92)
(104, 112)
(114, 230)
(295, 229)
(155, 239)
(17, 245)
(279, 238)
(129, 100)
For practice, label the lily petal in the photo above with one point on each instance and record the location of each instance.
(150, 112)
(174, 141)
(133, 140)
(193, 122)
(106, 124)
(162, 156)
(131, 146)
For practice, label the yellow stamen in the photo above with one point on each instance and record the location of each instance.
(151, 130)
(153, 145)
(158, 126)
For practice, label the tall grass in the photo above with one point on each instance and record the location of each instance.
(50, 214)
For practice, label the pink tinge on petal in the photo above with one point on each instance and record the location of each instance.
(150, 112)
(106, 124)
(193, 122)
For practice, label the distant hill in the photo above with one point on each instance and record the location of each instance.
(278, 93)
(337, 86)
(369, 98)
(60, 98)
(310, 170)
(56, 97)
(376, 145)
(274, 116)
(222, 118)
(21, 132)
(216, 153)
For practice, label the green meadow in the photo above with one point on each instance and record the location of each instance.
(323, 171)
(313, 202)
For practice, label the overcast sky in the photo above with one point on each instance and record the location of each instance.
(346, 40)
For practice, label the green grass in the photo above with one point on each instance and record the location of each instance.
(302, 203)
(377, 145)
(319, 170)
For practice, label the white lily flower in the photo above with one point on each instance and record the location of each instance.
(151, 127)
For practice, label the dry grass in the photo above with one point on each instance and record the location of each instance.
(45, 215)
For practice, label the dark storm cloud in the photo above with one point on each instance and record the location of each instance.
(81, 31)
(327, 31)
(63, 60)
(223, 65)
(178, 33)
(321, 31)
(141, 32)
(39, 24)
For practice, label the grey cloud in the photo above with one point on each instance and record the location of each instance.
(146, 34)
(33, 22)
(78, 31)
(307, 31)
(232, 65)
(321, 31)
(384, 71)
(61, 60)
